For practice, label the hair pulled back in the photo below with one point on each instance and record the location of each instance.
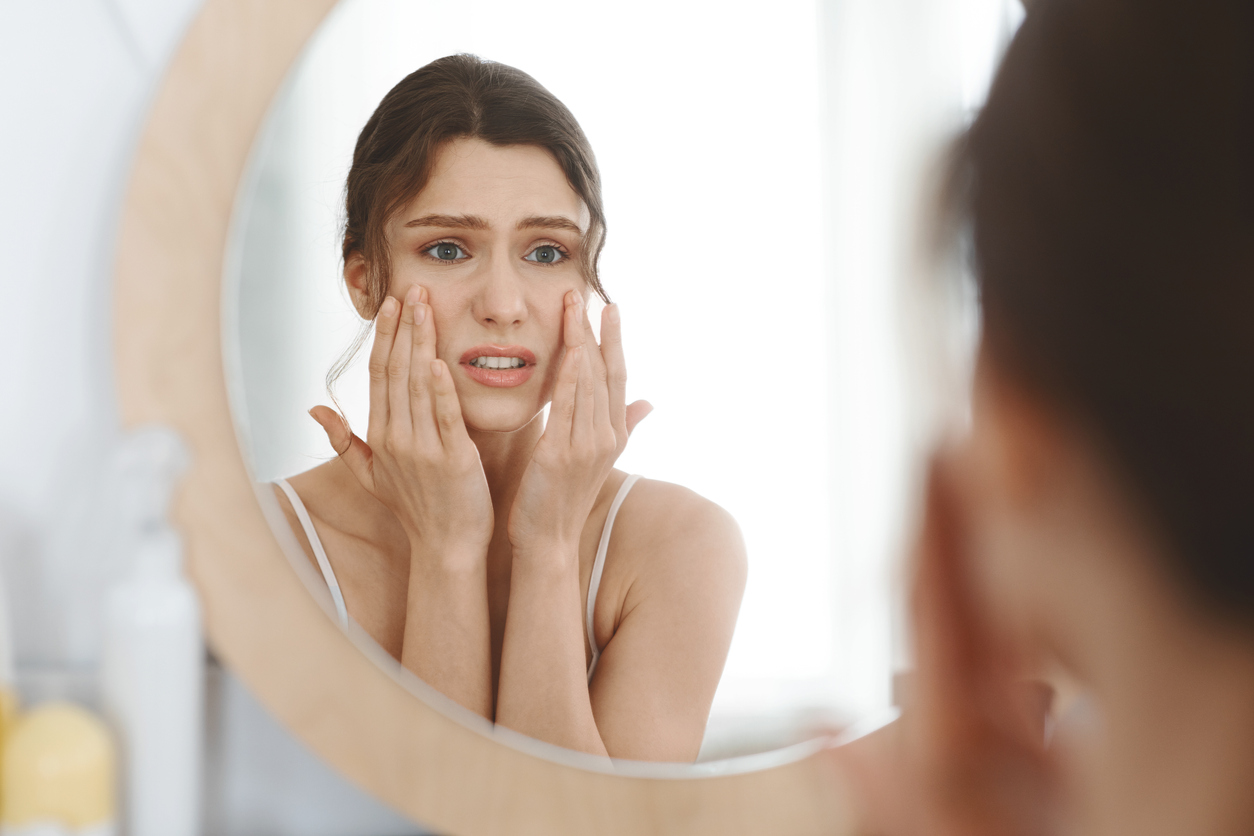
(459, 96)
(1109, 188)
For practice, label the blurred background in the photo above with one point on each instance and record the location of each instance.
(766, 172)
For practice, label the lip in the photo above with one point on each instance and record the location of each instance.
(501, 378)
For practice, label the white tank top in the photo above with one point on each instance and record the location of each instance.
(594, 584)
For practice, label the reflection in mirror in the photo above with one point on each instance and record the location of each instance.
(708, 153)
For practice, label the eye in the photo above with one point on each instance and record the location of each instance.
(545, 254)
(445, 251)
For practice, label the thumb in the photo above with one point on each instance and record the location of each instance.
(636, 413)
(352, 450)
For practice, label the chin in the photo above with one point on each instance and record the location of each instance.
(499, 417)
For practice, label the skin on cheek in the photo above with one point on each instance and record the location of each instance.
(456, 311)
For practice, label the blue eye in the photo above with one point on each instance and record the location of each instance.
(445, 251)
(545, 254)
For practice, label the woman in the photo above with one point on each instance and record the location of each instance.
(1095, 530)
(469, 538)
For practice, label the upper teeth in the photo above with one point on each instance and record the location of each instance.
(498, 362)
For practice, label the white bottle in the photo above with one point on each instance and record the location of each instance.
(152, 663)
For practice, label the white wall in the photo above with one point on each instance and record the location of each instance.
(78, 78)
(77, 75)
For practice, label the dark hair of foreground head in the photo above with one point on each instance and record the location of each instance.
(1108, 186)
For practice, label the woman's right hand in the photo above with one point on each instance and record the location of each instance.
(968, 756)
(419, 460)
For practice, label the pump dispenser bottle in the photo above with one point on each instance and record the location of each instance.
(152, 664)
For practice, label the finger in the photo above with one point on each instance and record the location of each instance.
(422, 352)
(616, 370)
(590, 340)
(448, 410)
(600, 393)
(384, 335)
(947, 643)
(960, 663)
(636, 412)
(562, 411)
(424, 332)
(980, 735)
(577, 337)
(352, 450)
(573, 333)
(399, 418)
(583, 425)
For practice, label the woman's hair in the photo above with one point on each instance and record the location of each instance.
(460, 96)
(1108, 185)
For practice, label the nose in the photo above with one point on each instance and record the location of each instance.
(501, 301)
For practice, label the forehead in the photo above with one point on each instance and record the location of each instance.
(501, 184)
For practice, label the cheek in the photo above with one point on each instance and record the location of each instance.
(449, 311)
(403, 277)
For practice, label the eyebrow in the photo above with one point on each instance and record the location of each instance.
(449, 222)
(549, 222)
(475, 222)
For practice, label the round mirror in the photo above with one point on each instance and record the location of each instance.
(740, 269)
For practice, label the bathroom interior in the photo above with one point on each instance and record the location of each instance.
(174, 175)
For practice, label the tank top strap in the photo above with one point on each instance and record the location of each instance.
(598, 566)
(328, 574)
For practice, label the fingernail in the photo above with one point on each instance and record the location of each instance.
(413, 296)
(577, 297)
(436, 368)
(420, 314)
(611, 314)
(389, 307)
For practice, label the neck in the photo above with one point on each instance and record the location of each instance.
(505, 457)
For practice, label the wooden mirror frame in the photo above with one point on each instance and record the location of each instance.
(260, 619)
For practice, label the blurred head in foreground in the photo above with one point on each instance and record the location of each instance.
(1096, 528)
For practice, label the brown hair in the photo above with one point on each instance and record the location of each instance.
(1109, 189)
(459, 96)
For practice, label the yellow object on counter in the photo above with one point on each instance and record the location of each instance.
(8, 716)
(58, 769)
(8, 712)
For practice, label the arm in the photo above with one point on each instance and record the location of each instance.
(651, 698)
(543, 687)
(543, 690)
(656, 679)
(422, 465)
(684, 562)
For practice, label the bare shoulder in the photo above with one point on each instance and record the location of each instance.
(310, 488)
(670, 530)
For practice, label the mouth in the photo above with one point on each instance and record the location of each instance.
(498, 362)
(499, 365)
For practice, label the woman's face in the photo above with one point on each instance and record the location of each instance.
(494, 237)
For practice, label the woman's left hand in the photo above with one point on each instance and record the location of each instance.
(589, 422)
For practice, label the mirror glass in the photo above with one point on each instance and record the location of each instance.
(775, 392)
